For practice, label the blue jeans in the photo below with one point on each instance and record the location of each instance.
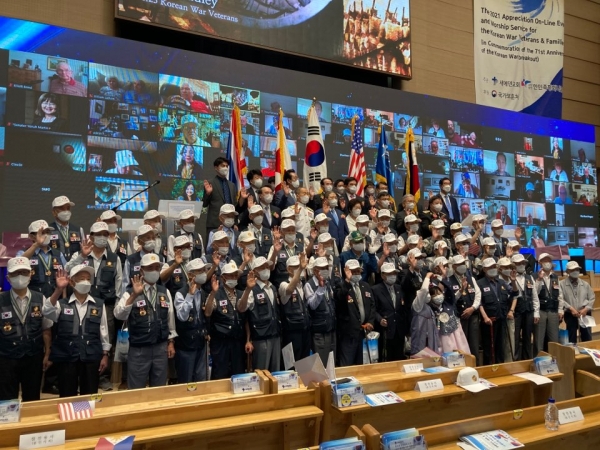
(191, 364)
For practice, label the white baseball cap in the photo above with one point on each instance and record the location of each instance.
(411, 218)
(60, 201)
(460, 238)
(497, 223)
(489, 241)
(440, 261)
(218, 235)
(230, 267)
(81, 268)
(415, 252)
(468, 378)
(384, 213)
(181, 240)
(573, 265)
(513, 243)
(144, 229)
(413, 239)
(363, 218)
(544, 255)
(186, 214)
(504, 262)
(246, 236)
(255, 208)
(438, 224)
(456, 226)
(292, 261)
(321, 217)
(518, 258)
(98, 227)
(149, 258)
(227, 209)
(324, 237)
(390, 238)
(322, 262)
(488, 262)
(439, 244)
(196, 264)
(35, 226)
(288, 223)
(388, 268)
(18, 263)
(153, 214)
(352, 264)
(287, 213)
(109, 214)
(458, 259)
(261, 261)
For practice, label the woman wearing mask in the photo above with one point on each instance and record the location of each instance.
(433, 213)
(355, 210)
(78, 366)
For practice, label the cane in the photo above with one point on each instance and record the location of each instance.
(493, 319)
(509, 341)
(384, 350)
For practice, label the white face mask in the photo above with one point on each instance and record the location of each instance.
(189, 227)
(231, 283)
(340, 190)
(370, 191)
(393, 248)
(304, 199)
(329, 251)
(461, 270)
(112, 228)
(323, 229)
(506, 272)
(447, 188)
(498, 232)
(151, 276)
(258, 220)
(258, 183)
(490, 251)
(200, 279)
(328, 188)
(363, 230)
(223, 250)
(355, 213)
(547, 266)
(289, 238)
(47, 240)
(352, 189)
(324, 274)
(100, 241)
(264, 274)
(384, 223)
(158, 227)
(355, 278)
(420, 263)
(83, 287)
(64, 216)
(20, 281)
(436, 208)
(391, 279)
(521, 269)
(251, 247)
(333, 203)
(358, 247)
(385, 204)
(295, 184)
(438, 299)
(449, 271)
(149, 246)
(228, 223)
(186, 254)
(224, 171)
(410, 206)
(414, 228)
(574, 275)
(492, 273)
(267, 199)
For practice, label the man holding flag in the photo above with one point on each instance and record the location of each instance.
(315, 163)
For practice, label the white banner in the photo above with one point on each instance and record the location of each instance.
(519, 55)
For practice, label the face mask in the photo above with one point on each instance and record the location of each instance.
(64, 216)
(329, 251)
(461, 270)
(449, 271)
(304, 199)
(228, 223)
(447, 188)
(100, 241)
(410, 206)
(150, 246)
(258, 183)
(391, 279)
(574, 275)
(355, 213)
(151, 276)
(420, 263)
(465, 248)
(264, 274)
(267, 199)
(200, 279)
(328, 188)
(258, 220)
(19, 282)
(289, 238)
(363, 230)
(223, 250)
(438, 299)
(186, 254)
(547, 266)
(520, 269)
(324, 274)
(47, 239)
(157, 227)
(492, 273)
(490, 251)
(506, 272)
(224, 171)
(333, 203)
(498, 232)
(393, 248)
(323, 229)
(83, 287)
(112, 228)
(355, 278)
(414, 228)
(385, 204)
(189, 227)
(340, 190)
(295, 184)
(231, 283)
(352, 189)
(436, 208)
(370, 191)
(384, 223)
(358, 247)
(251, 247)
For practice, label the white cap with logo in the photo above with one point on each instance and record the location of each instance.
(61, 201)
(35, 226)
(18, 263)
(109, 214)
(98, 227)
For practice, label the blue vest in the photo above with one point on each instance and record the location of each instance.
(294, 314)
(525, 301)
(263, 318)
(178, 279)
(226, 322)
(495, 302)
(463, 301)
(323, 317)
(74, 342)
(279, 272)
(74, 241)
(264, 246)
(104, 283)
(135, 261)
(40, 282)
(191, 333)
(549, 300)
(19, 340)
(149, 324)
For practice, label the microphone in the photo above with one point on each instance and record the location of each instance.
(135, 195)
(154, 184)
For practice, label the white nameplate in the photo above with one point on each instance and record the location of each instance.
(412, 368)
(570, 415)
(41, 440)
(429, 385)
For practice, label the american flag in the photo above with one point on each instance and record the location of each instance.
(75, 410)
(357, 158)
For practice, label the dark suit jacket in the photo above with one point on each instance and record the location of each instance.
(283, 201)
(346, 307)
(216, 199)
(396, 317)
(338, 231)
(455, 210)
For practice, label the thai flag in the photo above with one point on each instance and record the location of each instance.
(315, 164)
(237, 161)
(75, 410)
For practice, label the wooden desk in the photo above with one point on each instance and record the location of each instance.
(569, 363)
(529, 429)
(425, 409)
(586, 383)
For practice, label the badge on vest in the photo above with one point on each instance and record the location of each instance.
(54, 237)
(260, 297)
(86, 263)
(486, 289)
(142, 312)
(140, 303)
(178, 270)
(35, 312)
(190, 318)
(108, 263)
(94, 312)
(164, 304)
(6, 315)
(471, 290)
(283, 255)
(266, 237)
(368, 294)
(74, 237)
(33, 262)
(455, 287)
(350, 299)
(136, 268)
(294, 299)
(222, 303)
(69, 311)
(7, 327)
(177, 279)
(57, 267)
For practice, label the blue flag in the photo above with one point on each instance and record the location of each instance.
(383, 169)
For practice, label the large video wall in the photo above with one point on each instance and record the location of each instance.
(99, 118)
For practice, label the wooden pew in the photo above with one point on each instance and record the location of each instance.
(429, 408)
(529, 429)
(569, 362)
(287, 420)
(353, 431)
(586, 383)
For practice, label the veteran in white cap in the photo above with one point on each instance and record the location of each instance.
(579, 299)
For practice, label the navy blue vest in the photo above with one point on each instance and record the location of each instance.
(323, 317)
(191, 333)
(149, 324)
(263, 317)
(40, 282)
(19, 340)
(280, 273)
(104, 283)
(462, 301)
(525, 302)
(178, 279)
(549, 300)
(294, 314)
(74, 241)
(226, 322)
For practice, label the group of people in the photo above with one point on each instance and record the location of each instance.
(317, 270)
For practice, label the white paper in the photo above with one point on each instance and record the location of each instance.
(594, 354)
(311, 369)
(537, 379)
(429, 385)
(383, 398)
(492, 440)
(570, 415)
(330, 369)
(41, 440)
(587, 321)
(288, 356)
(412, 368)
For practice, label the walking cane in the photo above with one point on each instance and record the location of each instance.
(493, 319)
(512, 352)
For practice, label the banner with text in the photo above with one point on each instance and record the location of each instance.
(519, 55)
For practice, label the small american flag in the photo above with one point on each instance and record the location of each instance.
(357, 158)
(75, 410)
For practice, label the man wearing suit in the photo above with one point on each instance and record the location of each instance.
(286, 196)
(218, 192)
(338, 228)
(390, 315)
(501, 242)
(449, 205)
(255, 179)
(355, 309)
(350, 186)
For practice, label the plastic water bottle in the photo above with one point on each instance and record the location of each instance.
(551, 415)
